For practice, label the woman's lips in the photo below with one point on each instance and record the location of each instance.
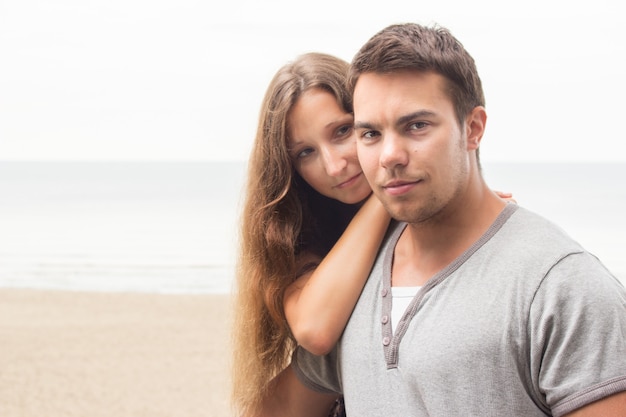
(350, 181)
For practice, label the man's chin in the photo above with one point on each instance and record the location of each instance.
(413, 215)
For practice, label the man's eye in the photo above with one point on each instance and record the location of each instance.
(418, 125)
(369, 134)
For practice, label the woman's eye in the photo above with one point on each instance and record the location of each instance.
(344, 130)
(304, 153)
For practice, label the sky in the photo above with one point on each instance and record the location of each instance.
(184, 79)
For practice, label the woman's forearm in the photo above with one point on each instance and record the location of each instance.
(319, 304)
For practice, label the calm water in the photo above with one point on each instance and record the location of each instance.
(171, 227)
(165, 227)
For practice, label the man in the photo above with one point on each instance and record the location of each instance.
(506, 314)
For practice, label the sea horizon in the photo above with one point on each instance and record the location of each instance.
(172, 226)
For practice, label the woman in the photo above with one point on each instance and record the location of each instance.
(304, 186)
(299, 274)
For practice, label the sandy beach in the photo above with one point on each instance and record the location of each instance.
(113, 354)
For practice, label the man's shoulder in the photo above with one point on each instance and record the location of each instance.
(533, 230)
(529, 244)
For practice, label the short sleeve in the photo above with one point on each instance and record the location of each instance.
(577, 327)
(319, 373)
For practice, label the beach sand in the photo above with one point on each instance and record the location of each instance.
(113, 354)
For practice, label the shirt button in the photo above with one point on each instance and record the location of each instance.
(384, 292)
(386, 341)
(385, 320)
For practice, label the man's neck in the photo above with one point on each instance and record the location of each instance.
(426, 248)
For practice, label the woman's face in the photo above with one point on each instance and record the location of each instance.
(323, 149)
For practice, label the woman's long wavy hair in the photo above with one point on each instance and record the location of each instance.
(282, 217)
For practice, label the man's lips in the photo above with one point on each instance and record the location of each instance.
(349, 181)
(398, 187)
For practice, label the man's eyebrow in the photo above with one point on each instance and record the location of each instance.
(415, 115)
(402, 120)
(363, 125)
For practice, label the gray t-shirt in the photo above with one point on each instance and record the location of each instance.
(524, 323)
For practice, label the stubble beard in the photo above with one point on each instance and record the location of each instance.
(433, 208)
(419, 213)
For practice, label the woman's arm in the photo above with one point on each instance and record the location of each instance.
(319, 303)
(287, 396)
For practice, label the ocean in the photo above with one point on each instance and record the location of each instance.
(171, 227)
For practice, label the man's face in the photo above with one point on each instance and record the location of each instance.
(412, 150)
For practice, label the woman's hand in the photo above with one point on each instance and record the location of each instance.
(505, 196)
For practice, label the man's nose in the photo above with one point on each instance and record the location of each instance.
(393, 152)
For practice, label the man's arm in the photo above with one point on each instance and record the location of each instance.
(288, 397)
(612, 406)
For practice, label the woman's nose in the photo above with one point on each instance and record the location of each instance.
(334, 162)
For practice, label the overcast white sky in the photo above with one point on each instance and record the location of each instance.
(183, 79)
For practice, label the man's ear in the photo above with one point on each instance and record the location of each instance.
(475, 127)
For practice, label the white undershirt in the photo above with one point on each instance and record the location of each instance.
(401, 298)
